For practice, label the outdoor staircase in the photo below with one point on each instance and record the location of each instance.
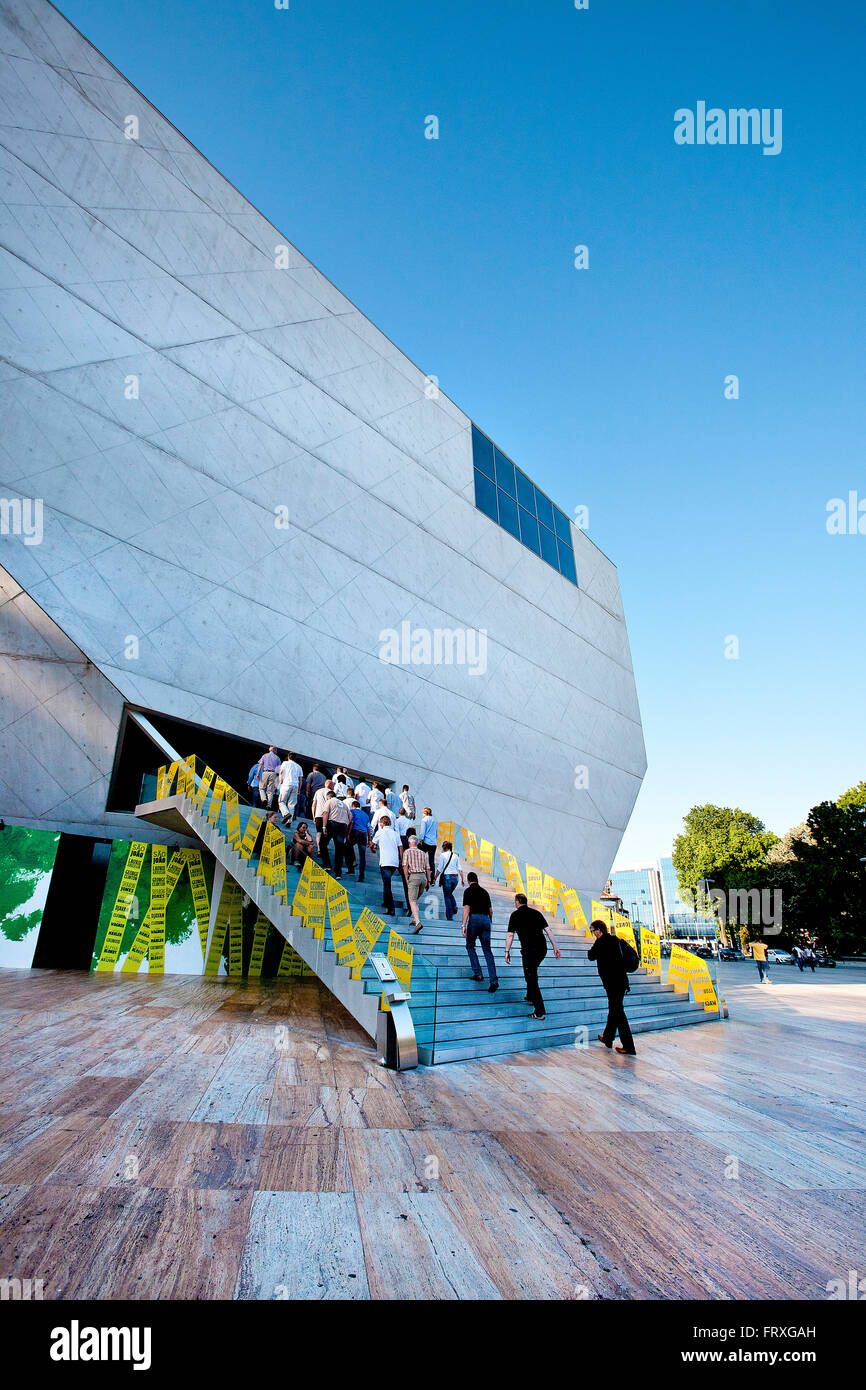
(455, 1017)
(465, 1021)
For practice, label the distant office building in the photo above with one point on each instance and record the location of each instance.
(641, 895)
(682, 918)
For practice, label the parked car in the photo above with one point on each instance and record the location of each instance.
(827, 961)
(779, 958)
(731, 953)
(705, 952)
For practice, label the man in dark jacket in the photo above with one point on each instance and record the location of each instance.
(614, 977)
(531, 928)
(477, 922)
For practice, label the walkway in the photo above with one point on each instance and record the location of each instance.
(191, 1138)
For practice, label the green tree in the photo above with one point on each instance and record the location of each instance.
(854, 796)
(826, 882)
(783, 851)
(724, 844)
(26, 857)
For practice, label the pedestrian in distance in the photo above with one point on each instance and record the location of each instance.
(610, 962)
(290, 776)
(449, 872)
(533, 933)
(428, 834)
(416, 870)
(759, 956)
(303, 845)
(477, 925)
(386, 844)
(268, 767)
(359, 835)
(335, 827)
(404, 826)
(317, 811)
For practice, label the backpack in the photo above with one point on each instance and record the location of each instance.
(630, 958)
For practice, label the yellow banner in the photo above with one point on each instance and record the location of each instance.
(623, 927)
(186, 777)
(122, 904)
(260, 937)
(230, 894)
(165, 780)
(203, 787)
(291, 964)
(400, 955)
(342, 928)
(573, 909)
(604, 913)
(316, 902)
(279, 885)
(650, 951)
(216, 800)
(550, 893)
(534, 890)
(158, 899)
(233, 818)
(470, 847)
(248, 843)
(688, 969)
(511, 871)
(445, 830)
(485, 856)
(138, 950)
(302, 892)
(236, 940)
(200, 898)
(264, 867)
(368, 929)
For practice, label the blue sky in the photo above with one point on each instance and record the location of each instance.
(605, 385)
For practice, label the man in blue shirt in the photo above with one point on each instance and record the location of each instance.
(359, 837)
(268, 766)
(428, 830)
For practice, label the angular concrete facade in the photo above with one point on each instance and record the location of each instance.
(175, 381)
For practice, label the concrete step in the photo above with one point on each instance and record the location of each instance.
(468, 1049)
(507, 1018)
(471, 1006)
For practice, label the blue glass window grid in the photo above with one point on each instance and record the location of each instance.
(512, 500)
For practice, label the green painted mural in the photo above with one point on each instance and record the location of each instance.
(26, 865)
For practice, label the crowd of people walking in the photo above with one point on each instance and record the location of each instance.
(353, 819)
(341, 821)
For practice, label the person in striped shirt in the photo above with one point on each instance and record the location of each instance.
(416, 872)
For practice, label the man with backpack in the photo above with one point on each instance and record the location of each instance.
(614, 960)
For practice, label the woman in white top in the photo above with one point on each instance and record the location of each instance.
(448, 871)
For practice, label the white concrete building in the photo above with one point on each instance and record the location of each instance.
(223, 486)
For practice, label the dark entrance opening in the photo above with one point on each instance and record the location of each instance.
(71, 912)
(230, 756)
